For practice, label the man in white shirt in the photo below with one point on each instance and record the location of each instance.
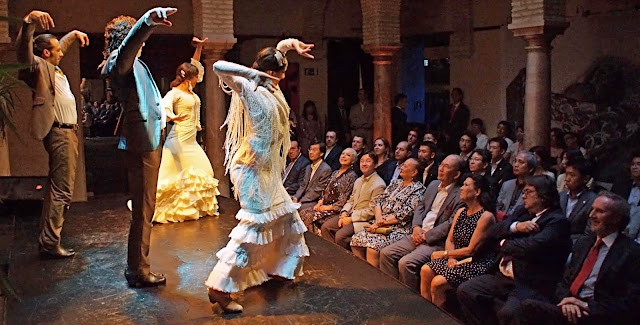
(477, 127)
(54, 121)
(431, 223)
(316, 177)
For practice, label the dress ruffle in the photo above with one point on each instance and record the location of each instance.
(258, 251)
(188, 196)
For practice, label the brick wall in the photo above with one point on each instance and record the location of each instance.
(380, 22)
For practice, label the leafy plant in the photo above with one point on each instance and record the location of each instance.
(8, 86)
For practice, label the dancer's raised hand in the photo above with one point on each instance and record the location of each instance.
(160, 16)
(42, 18)
(265, 80)
(303, 49)
(198, 42)
(82, 37)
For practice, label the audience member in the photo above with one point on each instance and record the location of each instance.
(479, 161)
(358, 144)
(505, 132)
(500, 170)
(381, 148)
(293, 176)
(576, 201)
(466, 144)
(316, 177)
(393, 212)
(534, 245)
(334, 150)
(567, 156)
(335, 194)
(412, 141)
(453, 121)
(544, 162)
(466, 241)
(360, 207)
(431, 223)
(427, 157)
(399, 118)
(510, 194)
(309, 130)
(401, 154)
(339, 121)
(572, 141)
(477, 127)
(556, 148)
(430, 136)
(601, 284)
(630, 190)
(517, 146)
(361, 117)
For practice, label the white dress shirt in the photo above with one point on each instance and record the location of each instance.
(64, 102)
(314, 167)
(432, 215)
(586, 292)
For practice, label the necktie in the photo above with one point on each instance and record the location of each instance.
(586, 269)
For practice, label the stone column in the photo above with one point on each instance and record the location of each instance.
(5, 44)
(214, 19)
(538, 22)
(215, 104)
(381, 39)
(383, 83)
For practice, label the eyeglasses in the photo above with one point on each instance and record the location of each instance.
(527, 192)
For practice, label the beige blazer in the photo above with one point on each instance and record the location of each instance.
(360, 119)
(362, 202)
(40, 76)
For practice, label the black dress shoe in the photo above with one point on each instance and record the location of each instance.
(56, 252)
(147, 280)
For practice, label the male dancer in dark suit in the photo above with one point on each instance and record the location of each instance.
(141, 128)
(601, 284)
(54, 120)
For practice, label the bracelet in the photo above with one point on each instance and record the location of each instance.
(446, 254)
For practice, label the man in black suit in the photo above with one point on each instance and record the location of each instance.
(293, 176)
(427, 157)
(401, 155)
(534, 245)
(334, 150)
(499, 169)
(454, 120)
(601, 284)
(339, 121)
(399, 118)
(630, 190)
(576, 201)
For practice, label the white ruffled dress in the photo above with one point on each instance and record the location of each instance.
(269, 239)
(186, 187)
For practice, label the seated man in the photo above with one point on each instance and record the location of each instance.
(358, 145)
(334, 150)
(401, 155)
(500, 169)
(427, 157)
(412, 142)
(431, 222)
(577, 200)
(466, 144)
(601, 284)
(630, 190)
(360, 207)
(293, 176)
(316, 177)
(534, 245)
(510, 196)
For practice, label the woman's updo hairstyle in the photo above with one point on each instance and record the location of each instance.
(184, 72)
(270, 59)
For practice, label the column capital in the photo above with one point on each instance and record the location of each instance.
(382, 54)
(216, 49)
(545, 31)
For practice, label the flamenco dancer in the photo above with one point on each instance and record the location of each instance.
(268, 241)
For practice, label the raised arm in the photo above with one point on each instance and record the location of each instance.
(293, 44)
(121, 62)
(24, 42)
(230, 72)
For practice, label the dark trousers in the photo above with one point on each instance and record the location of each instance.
(142, 173)
(62, 147)
(339, 235)
(492, 299)
(539, 312)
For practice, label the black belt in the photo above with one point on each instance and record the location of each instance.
(65, 125)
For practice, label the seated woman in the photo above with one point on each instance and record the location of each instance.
(466, 239)
(381, 148)
(394, 210)
(335, 195)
